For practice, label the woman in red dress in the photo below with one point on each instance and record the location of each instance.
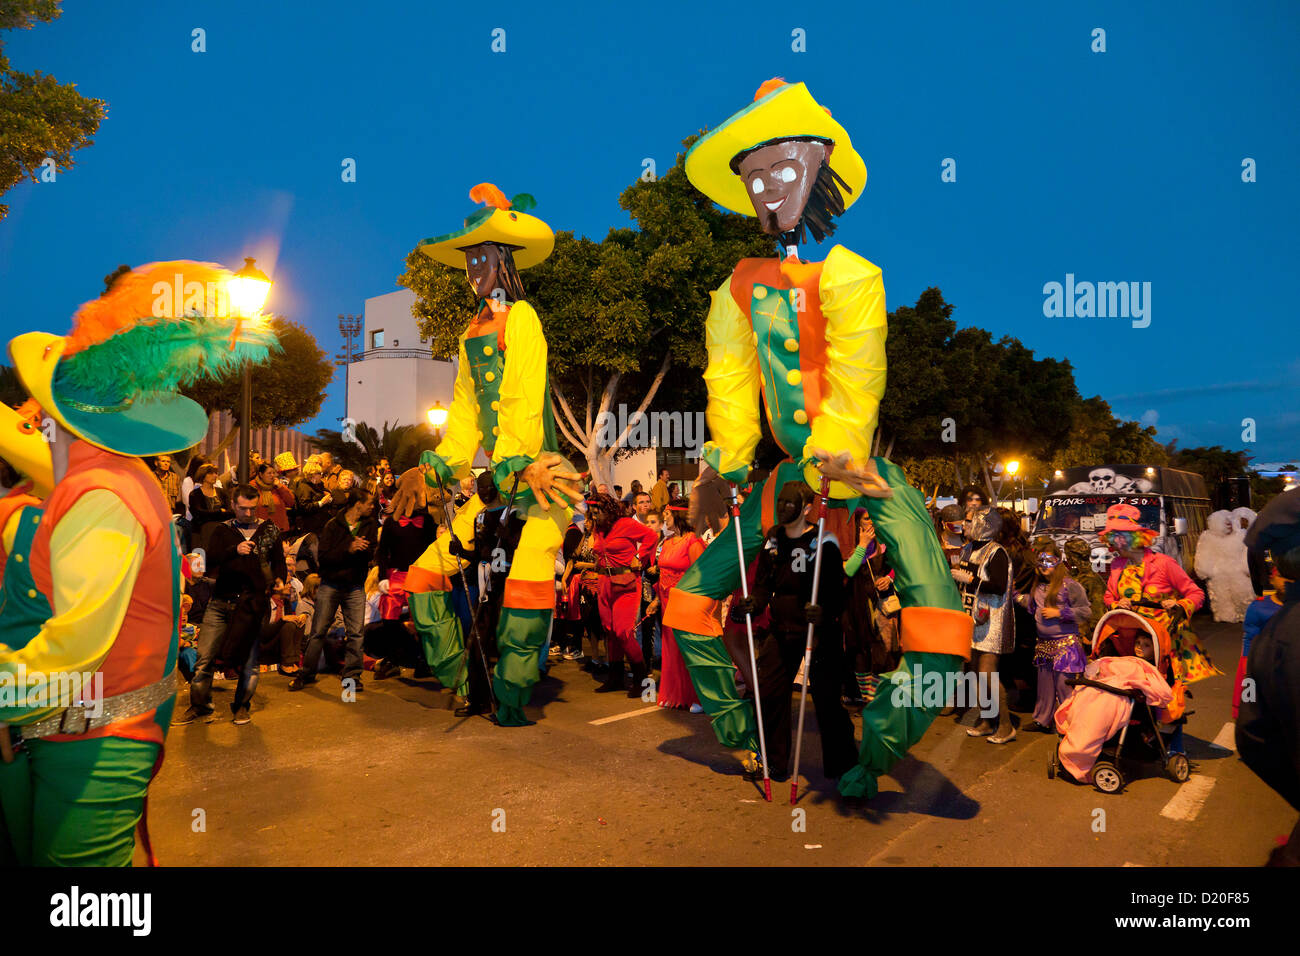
(676, 554)
(623, 547)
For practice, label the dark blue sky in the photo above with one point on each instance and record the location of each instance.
(1115, 166)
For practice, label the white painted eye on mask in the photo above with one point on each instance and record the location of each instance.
(756, 185)
(787, 175)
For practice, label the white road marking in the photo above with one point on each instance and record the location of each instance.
(1189, 799)
(1227, 738)
(630, 713)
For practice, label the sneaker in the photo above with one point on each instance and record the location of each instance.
(299, 681)
(554, 653)
(190, 716)
(573, 655)
(242, 716)
(696, 709)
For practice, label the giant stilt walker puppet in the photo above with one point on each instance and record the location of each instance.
(809, 338)
(500, 403)
(90, 611)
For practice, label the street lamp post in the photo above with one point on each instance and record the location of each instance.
(249, 288)
(437, 418)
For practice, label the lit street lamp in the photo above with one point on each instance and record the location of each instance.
(248, 290)
(437, 418)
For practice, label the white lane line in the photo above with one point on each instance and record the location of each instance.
(630, 713)
(1227, 739)
(1191, 796)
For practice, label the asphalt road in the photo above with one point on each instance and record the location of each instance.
(396, 779)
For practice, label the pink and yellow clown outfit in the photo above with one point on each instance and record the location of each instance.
(804, 343)
(91, 589)
(500, 403)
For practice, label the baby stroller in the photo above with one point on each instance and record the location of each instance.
(1114, 637)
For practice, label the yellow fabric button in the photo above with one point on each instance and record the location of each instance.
(36, 519)
(18, 558)
(794, 376)
(496, 430)
(792, 345)
(800, 417)
(480, 436)
(490, 377)
(496, 406)
(487, 350)
(760, 292)
(31, 593)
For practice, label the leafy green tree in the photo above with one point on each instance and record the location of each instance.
(957, 395)
(40, 118)
(621, 316)
(287, 390)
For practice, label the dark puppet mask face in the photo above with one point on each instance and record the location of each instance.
(791, 502)
(779, 178)
(483, 266)
(487, 489)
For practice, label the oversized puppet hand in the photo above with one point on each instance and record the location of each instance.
(865, 480)
(551, 484)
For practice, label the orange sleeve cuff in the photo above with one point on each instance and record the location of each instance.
(936, 630)
(693, 613)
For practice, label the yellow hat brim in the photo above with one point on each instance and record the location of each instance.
(26, 449)
(787, 111)
(158, 424)
(531, 238)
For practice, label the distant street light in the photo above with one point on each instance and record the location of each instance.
(438, 416)
(248, 289)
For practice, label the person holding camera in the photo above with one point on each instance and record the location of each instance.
(347, 546)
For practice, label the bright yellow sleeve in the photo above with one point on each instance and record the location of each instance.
(853, 303)
(460, 442)
(95, 555)
(521, 416)
(733, 380)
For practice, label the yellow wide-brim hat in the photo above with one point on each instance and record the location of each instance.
(152, 424)
(503, 221)
(780, 111)
(115, 379)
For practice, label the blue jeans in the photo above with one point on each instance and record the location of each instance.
(215, 619)
(328, 600)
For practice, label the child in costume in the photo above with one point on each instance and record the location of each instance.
(1155, 586)
(101, 566)
(1133, 654)
(1062, 612)
(809, 338)
(500, 403)
(1261, 611)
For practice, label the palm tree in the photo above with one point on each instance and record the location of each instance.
(400, 444)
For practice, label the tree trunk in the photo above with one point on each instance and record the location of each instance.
(600, 461)
(222, 445)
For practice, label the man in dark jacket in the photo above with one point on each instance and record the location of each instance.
(783, 585)
(1268, 725)
(247, 560)
(347, 546)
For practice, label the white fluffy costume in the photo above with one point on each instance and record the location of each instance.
(1221, 561)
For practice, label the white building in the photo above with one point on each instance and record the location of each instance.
(397, 379)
